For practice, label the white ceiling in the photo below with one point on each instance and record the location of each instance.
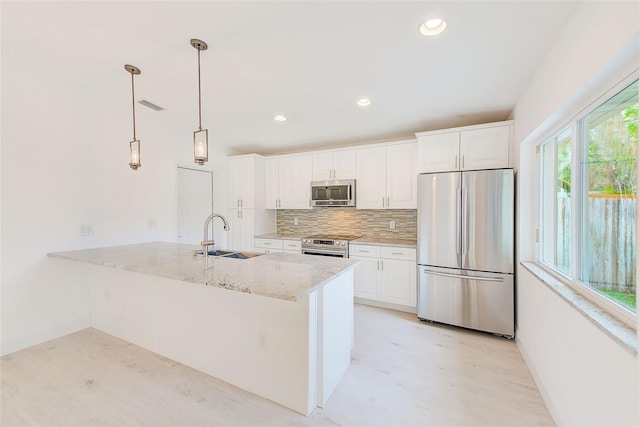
(309, 61)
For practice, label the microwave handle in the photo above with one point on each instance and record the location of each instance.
(350, 192)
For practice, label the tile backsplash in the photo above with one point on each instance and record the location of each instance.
(366, 222)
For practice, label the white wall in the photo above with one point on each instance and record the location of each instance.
(584, 376)
(65, 164)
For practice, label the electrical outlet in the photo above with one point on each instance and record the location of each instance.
(152, 223)
(86, 230)
(262, 338)
(392, 224)
(295, 221)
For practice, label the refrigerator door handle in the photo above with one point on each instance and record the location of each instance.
(465, 218)
(458, 220)
(460, 276)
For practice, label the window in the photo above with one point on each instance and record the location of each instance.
(588, 182)
(556, 202)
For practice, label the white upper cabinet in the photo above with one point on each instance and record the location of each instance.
(371, 181)
(271, 182)
(241, 180)
(402, 176)
(387, 177)
(439, 152)
(287, 181)
(486, 146)
(334, 165)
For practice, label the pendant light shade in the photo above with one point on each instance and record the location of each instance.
(134, 145)
(200, 136)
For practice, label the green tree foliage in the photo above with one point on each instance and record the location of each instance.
(611, 157)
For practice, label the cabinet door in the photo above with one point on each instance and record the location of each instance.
(233, 182)
(366, 278)
(295, 179)
(398, 282)
(322, 166)
(271, 183)
(241, 229)
(487, 148)
(439, 152)
(241, 176)
(402, 176)
(371, 183)
(344, 164)
(247, 225)
(234, 235)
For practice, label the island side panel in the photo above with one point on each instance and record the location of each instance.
(263, 345)
(123, 304)
(335, 333)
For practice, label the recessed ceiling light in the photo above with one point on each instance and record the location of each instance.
(363, 102)
(279, 118)
(433, 27)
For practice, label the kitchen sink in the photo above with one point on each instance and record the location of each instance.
(230, 254)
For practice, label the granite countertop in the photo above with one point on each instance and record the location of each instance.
(289, 277)
(380, 241)
(281, 236)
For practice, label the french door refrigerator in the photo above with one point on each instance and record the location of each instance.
(466, 249)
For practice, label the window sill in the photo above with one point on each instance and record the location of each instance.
(607, 323)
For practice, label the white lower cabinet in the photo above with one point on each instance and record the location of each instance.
(268, 246)
(386, 274)
(242, 228)
(291, 246)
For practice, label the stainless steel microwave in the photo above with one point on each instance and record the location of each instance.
(336, 193)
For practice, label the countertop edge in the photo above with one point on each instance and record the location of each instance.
(179, 275)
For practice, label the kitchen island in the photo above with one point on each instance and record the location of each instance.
(278, 325)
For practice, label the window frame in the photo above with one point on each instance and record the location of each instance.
(577, 186)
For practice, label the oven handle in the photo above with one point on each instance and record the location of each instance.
(323, 252)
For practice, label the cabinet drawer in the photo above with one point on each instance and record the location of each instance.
(390, 252)
(364, 250)
(268, 243)
(292, 245)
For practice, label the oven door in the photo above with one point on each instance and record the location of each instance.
(325, 252)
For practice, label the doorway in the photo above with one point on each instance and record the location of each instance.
(195, 203)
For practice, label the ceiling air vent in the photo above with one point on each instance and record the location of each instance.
(150, 105)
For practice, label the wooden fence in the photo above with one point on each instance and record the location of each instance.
(609, 250)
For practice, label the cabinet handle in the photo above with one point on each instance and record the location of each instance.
(397, 253)
(237, 203)
(266, 243)
(381, 265)
(383, 201)
(462, 163)
(241, 203)
(363, 252)
(456, 166)
(241, 215)
(387, 201)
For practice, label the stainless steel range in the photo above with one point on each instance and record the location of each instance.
(328, 245)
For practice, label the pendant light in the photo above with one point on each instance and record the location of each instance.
(201, 136)
(134, 145)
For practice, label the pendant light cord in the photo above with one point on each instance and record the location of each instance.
(133, 107)
(199, 95)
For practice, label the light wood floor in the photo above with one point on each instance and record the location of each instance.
(403, 373)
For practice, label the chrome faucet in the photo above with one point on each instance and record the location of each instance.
(206, 242)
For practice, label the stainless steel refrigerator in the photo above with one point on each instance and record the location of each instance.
(466, 249)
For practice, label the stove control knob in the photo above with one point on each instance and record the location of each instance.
(343, 243)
